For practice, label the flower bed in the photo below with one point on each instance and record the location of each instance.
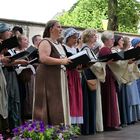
(36, 130)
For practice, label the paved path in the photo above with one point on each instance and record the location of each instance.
(131, 132)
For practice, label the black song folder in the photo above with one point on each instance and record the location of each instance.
(33, 54)
(30, 53)
(79, 58)
(21, 55)
(132, 54)
(122, 55)
(9, 43)
(113, 56)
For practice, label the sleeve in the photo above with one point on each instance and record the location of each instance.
(99, 70)
(125, 72)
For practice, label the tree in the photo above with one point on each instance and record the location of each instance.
(123, 15)
(85, 13)
(128, 15)
(112, 15)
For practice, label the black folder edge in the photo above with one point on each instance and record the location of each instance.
(84, 59)
(33, 53)
(20, 55)
(31, 49)
(112, 56)
(132, 54)
(122, 55)
(9, 43)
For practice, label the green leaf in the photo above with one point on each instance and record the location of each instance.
(90, 13)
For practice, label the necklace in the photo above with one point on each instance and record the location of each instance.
(55, 42)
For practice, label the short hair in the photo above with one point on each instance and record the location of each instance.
(34, 37)
(87, 34)
(17, 28)
(107, 35)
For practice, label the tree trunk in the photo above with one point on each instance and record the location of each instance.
(112, 15)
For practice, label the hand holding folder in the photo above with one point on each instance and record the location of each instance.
(84, 59)
(30, 53)
(78, 59)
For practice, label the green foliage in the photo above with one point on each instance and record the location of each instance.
(85, 14)
(90, 13)
(128, 15)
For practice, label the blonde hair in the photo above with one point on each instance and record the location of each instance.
(126, 43)
(87, 34)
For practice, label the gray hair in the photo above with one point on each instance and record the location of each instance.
(106, 35)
